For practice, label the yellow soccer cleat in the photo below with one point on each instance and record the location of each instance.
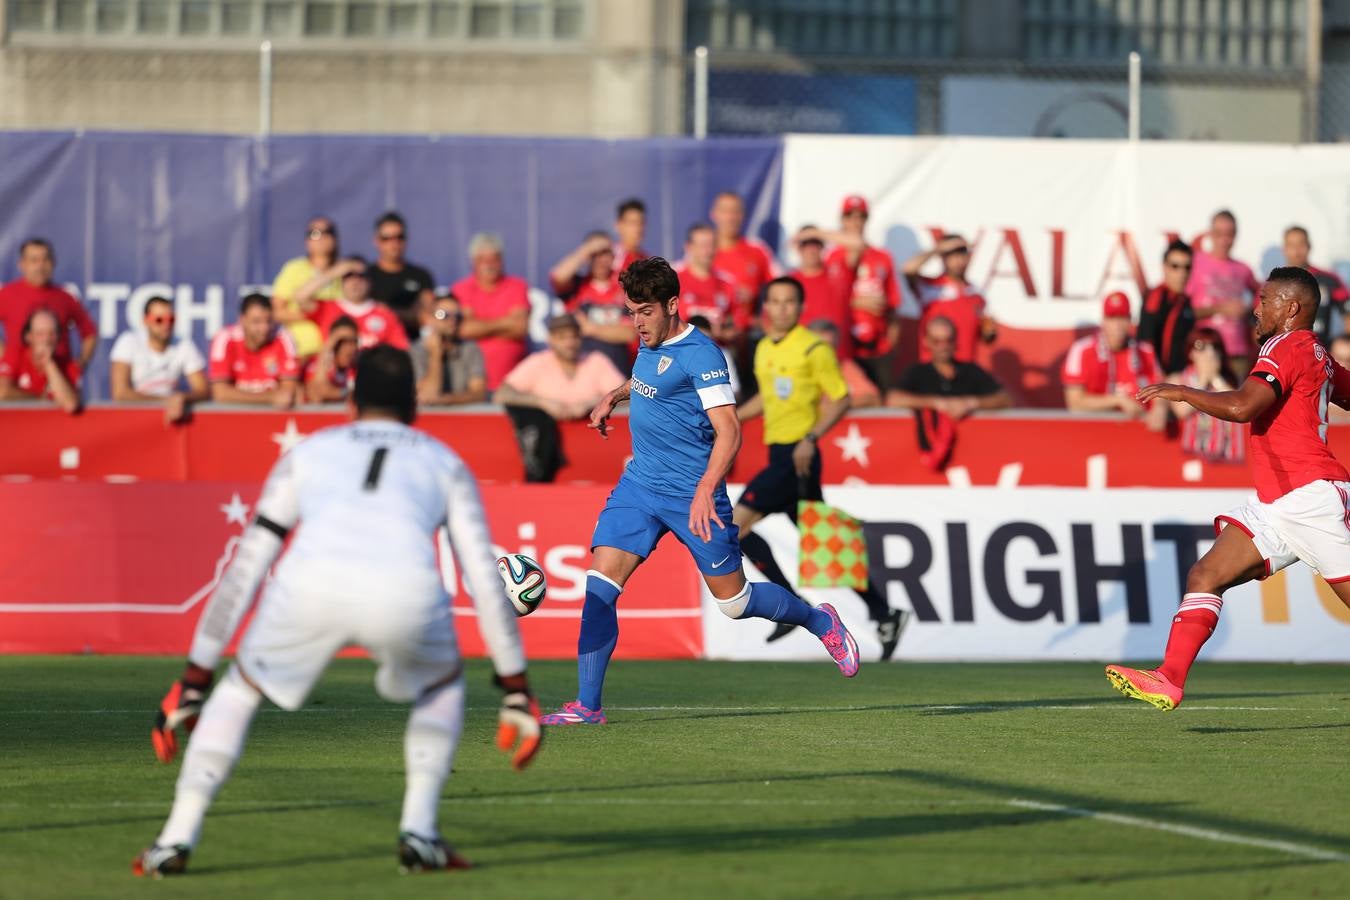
(1148, 685)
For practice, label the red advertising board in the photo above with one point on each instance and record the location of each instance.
(127, 568)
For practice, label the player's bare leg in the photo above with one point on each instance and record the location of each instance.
(599, 634)
(1233, 560)
(215, 747)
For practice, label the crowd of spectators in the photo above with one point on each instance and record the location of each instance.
(469, 343)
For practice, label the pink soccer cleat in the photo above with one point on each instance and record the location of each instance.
(842, 647)
(573, 713)
(1148, 685)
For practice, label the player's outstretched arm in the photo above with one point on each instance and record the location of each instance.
(605, 408)
(258, 548)
(1242, 405)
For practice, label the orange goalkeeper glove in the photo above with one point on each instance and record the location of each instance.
(518, 721)
(180, 707)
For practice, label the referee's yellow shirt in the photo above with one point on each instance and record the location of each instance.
(792, 374)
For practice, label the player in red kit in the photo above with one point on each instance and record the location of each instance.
(1302, 505)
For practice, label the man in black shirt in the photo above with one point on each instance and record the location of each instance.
(943, 391)
(1167, 318)
(405, 288)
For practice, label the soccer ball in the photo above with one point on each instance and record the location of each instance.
(524, 580)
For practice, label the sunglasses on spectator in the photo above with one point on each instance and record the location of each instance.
(442, 314)
(160, 320)
(360, 274)
(315, 233)
(1173, 265)
(941, 341)
(386, 238)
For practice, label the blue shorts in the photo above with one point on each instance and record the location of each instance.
(635, 519)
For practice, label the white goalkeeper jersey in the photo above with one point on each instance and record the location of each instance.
(369, 497)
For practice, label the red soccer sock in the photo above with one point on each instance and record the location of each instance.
(1191, 627)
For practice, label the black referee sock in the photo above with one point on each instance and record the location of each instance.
(877, 609)
(756, 549)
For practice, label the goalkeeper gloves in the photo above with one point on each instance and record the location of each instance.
(180, 706)
(518, 721)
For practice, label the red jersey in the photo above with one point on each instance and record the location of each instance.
(254, 371)
(1098, 370)
(500, 354)
(748, 264)
(827, 297)
(17, 365)
(19, 300)
(874, 276)
(1289, 440)
(584, 293)
(375, 322)
(713, 297)
(624, 258)
(953, 300)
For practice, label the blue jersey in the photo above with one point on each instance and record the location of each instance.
(673, 386)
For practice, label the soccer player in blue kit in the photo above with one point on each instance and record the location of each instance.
(685, 437)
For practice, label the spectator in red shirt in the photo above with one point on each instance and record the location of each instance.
(329, 374)
(1104, 371)
(596, 300)
(1167, 319)
(253, 361)
(706, 292)
(31, 370)
(746, 262)
(630, 224)
(1330, 314)
(495, 306)
(827, 293)
(375, 322)
(951, 296)
(875, 296)
(34, 290)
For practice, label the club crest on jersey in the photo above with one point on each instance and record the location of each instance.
(662, 364)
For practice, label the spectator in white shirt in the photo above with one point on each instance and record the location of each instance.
(150, 365)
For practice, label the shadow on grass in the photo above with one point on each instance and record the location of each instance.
(159, 815)
(1220, 730)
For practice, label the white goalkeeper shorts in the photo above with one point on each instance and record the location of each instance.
(306, 617)
(1311, 523)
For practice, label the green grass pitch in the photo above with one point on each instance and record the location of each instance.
(713, 780)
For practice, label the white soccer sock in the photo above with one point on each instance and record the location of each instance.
(428, 749)
(211, 754)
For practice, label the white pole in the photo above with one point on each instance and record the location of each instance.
(1134, 96)
(265, 89)
(700, 92)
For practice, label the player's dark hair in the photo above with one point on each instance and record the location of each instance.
(695, 229)
(1178, 246)
(37, 242)
(1300, 229)
(153, 300)
(632, 203)
(650, 280)
(1305, 282)
(344, 322)
(385, 383)
(789, 280)
(253, 300)
(1225, 214)
(390, 218)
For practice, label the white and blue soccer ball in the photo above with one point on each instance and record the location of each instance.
(524, 580)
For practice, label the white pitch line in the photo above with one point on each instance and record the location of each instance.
(1204, 834)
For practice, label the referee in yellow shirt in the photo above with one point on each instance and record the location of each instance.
(801, 396)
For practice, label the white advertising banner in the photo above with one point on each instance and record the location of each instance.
(1044, 574)
(1054, 225)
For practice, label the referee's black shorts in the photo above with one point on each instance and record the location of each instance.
(778, 487)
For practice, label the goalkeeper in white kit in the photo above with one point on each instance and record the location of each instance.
(369, 497)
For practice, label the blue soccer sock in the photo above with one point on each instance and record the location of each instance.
(599, 634)
(769, 601)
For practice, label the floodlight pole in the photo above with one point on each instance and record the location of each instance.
(700, 92)
(1134, 96)
(265, 89)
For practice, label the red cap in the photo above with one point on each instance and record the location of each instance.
(1116, 304)
(854, 203)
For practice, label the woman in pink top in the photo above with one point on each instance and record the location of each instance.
(495, 306)
(1223, 289)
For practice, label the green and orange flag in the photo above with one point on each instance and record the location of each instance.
(833, 551)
